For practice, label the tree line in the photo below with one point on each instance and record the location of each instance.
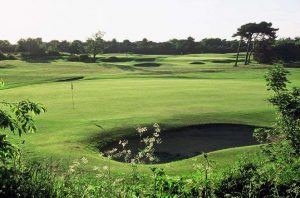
(96, 44)
(258, 40)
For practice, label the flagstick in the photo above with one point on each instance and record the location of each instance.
(72, 88)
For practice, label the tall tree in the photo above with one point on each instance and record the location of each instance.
(189, 45)
(6, 47)
(245, 32)
(76, 47)
(64, 46)
(52, 46)
(262, 32)
(126, 46)
(238, 51)
(95, 44)
(32, 46)
(253, 32)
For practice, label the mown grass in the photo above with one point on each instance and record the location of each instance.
(118, 96)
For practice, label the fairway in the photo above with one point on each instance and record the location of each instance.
(112, 98)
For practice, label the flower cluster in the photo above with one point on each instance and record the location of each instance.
(77, 164)
(146, 152)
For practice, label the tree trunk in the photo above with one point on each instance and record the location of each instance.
(252, 49)
(250, 54)
(238, 52)
(248, 48)
(94, 56)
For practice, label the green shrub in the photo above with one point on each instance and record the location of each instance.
(74, 58)
(11, 57)
(2, 56)
(85, 58)
(53, 53)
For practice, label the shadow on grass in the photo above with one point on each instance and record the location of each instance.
(67, 79)
(223, 61)
(147, 65)
(114, 59)
(240, 56)
(7, 66)
(145, 59)
(42, 59)
(211, 71)
(197, 63)
(125, 67)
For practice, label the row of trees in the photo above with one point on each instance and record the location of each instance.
(256, 39)
(285, 50)
(95, 45)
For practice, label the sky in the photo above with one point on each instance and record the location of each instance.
(157, 20)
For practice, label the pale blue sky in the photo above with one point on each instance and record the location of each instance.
(157, 20)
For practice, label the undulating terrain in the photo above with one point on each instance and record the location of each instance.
(114, 96)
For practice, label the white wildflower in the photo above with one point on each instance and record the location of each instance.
(123, 143)
(101, 154)
(96, 168)
(105, 167)
(189, 181)
(71, 170)
(141, 130)
(155, 125)
(98, 175)
(151, 158)
(84, 160)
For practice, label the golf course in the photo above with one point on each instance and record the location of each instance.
(91, 105)
(150, 99)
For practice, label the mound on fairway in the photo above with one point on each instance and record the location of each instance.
(116, 59)
(145, 59)
(223, 61)
(70, 79)
(7, 66)
(186, 142)
(197, 63)
(147, 65)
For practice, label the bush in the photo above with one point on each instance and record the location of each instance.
(11, 57)
(27, 182)
(7, 57)
(53, 53)
(2, 56)
(74, 58)
(29, 55)
(287, 51)
(81, 58)
(85, 58)
(264, 52)
(250, 178)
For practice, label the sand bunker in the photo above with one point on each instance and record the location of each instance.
(186, 142)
